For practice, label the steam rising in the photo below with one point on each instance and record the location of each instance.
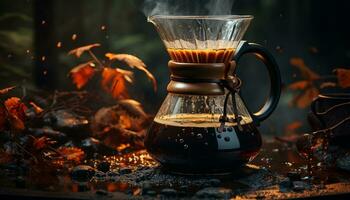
(187, 7)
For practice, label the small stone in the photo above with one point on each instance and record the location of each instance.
(103, 166)
(285, 185)
(101, 192)
(214, 192)
(168, 192)
(343, 162)
(294, 176)
(299, 186)
(146, 186)
(100, 175)
(125, 170)
(111, 174)
(215, 182)
(82, 172)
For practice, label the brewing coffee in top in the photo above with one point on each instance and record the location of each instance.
(203, 125)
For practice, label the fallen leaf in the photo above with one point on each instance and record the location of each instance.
(16, 113)
(82, 73)
(40, 143)
(79, 51)
(305, 71)
(113, 82)
(37, 108)
(6, 90)
(343, 76)
(133, 62)
(72, 153)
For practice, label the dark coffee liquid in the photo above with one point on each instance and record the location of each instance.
(202, 149)
(202, 56)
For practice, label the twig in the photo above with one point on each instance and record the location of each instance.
(95, 58)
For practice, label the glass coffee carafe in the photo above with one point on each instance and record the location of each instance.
(203, 125)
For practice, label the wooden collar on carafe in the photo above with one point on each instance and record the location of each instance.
(202, 78)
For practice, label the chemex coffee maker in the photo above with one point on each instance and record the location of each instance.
(203, 126)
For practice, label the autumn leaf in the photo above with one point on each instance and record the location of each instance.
(37, 109)
(292, 127)
(42, 142)
(305, 98)
(305, 71)
(343, 76)
(6, 90)
(82, 73)
(133, 62)
(79, 51)
(16, 113)
(113, 82)
(71, 153)
(299, 85)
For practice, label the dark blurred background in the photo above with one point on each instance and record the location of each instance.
(35, 36)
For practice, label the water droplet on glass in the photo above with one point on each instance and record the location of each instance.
(183, 130)
(185, 146)
(181, 140)
(199, 136)
(192, 133)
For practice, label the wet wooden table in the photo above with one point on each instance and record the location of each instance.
(277, 173)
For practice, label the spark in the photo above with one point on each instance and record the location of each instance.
(59, 44)
(43, 58)
(74, 36)
(45, 72)
(43, 22)
(28, 51)
(103, 27)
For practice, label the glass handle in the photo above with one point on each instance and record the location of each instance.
(274, 73)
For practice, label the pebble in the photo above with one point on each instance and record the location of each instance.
(151, 193)
(168, 192)
(299, 186)
(125, 170)
(343, 162)
(214, 192)
(103, 166)
(101, 192)
(100, 175)
(82, 172)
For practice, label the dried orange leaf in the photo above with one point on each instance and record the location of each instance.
(305, 71)
(40, 143)
(113, 82)
(79, 51)
(6, 90)
(304, 99)
(37, 109)
(343, 76)
(299, 85)
(16, 112)
(130, 60)
(128, 75)
(71, 153)
(292, 127)
(133, 62)
(82, 73)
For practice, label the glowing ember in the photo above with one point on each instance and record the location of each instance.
(43, 58)
(59, 44)
(74, 36)
(103, 27)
